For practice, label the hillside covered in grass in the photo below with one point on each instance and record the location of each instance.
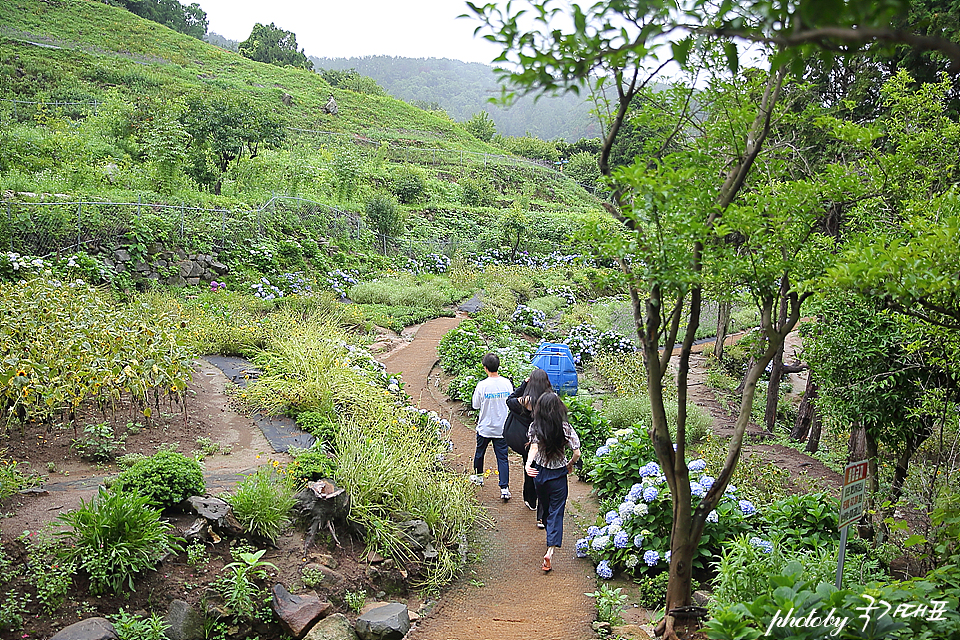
(99, 104)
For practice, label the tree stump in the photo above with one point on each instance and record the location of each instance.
(323, 505)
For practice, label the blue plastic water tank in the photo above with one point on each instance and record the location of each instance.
(557, 361)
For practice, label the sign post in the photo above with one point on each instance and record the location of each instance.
(851, 506)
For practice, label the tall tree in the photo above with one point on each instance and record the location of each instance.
(672, 208)
(272, 45)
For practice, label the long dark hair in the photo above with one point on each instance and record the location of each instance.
(537, 384)
(549, 414)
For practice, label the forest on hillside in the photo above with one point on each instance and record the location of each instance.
(463, 89)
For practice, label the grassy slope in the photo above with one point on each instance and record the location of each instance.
(104, 48)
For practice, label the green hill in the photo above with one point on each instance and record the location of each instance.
(101, 105)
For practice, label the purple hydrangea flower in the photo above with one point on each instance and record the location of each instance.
(760, 543)
(666, 556)
(600, 543)
(604, 570)
(651, 558)
(626, 509)
(610, 442)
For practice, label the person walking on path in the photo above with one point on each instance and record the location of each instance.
(490, 397)
(521, 403)
(547, 463)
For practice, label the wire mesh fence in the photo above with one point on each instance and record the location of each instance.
(47, 229)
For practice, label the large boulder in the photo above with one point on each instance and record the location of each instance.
(184, 622)
(418, 533)
(89, 629)
(297, 613)
(335, 627)
(389, 622)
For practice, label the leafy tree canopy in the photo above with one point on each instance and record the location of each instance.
(272, 45)
(190, 20)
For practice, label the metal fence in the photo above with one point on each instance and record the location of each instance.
(47, 229)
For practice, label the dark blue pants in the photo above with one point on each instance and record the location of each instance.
(500, 451)
(552, 492)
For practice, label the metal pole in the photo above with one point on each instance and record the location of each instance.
(843, 553)
(79, 213)
(9, 229)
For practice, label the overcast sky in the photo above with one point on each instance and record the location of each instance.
(355, 28)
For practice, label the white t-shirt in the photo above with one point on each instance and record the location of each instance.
(490, 398)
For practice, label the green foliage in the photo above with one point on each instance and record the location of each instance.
(165, 479)
(627, 411)
(426, 292)
(355, 599)
(312, 464)
(408, 184)
(589, 423)
(583, 168)
(12, 610)
(385, 217)
(80, 346)
(481, 126)
(652, 590)
(262, 503)
(350, 79)
(12, 479)
(113, 538)
(616, 472)
(99, 444)
(808, 520)
(132, 627)
(50, 575)
(239, 587)
(272, 45)
(197, 554)
(190, 20)
(528, 147)
(319, 424)
(610, 604)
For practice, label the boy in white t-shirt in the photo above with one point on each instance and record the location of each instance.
(490, 398)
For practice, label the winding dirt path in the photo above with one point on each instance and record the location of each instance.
(504, 596)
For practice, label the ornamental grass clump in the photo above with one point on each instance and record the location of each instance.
(114, 538)
(262, 503)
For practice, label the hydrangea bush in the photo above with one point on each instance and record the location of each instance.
(532, 321)
(633, 534)
(586, 342)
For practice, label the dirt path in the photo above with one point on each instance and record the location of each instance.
(797, 463)
(505, 595)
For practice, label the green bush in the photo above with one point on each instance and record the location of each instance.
(115, 537)
(311, 464)
(408, 184)
(614, 473)
(262, 503)
(628, 411)
(589, 423)
(319, 424)
(165, 479)
(808, 520)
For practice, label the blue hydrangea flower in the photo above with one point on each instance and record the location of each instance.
(593, 531)
(747, 507)
(609, 516)
(600, 543)
(697, 465)
(621, 540)
(626, 509)
(651, 558)
(611, 441)
(636, 492)
(602, 451)
(638, 541)
(582, 546)
(650, 494)
(731, 488)
(613, 528)
(617, 521)
(760, 543)
(707, 481)
(697, 490)
(666, 556)
(713, 516)
(650, 469)
(604, 570)
(603, 531)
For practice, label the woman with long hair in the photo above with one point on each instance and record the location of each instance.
(550, 436)
(521, 403)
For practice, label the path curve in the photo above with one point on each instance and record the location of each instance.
(516, 601)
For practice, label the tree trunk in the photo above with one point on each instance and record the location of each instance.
(813, 441)
(806, 414)
(743, 381)
(723, 327)
(776, 371)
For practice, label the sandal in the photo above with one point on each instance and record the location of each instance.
(546, 564)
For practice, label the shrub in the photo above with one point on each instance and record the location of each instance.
(588, 422)
(115, 537)
(630, 411)
(625, 373)
(319, 424)
(408, 184)
(808, 520)
(12, 478)
(262, 503)
(615, 466)
(634, 534)
(239, 588)
(165, 479)
(131, 627)
(311, 464)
